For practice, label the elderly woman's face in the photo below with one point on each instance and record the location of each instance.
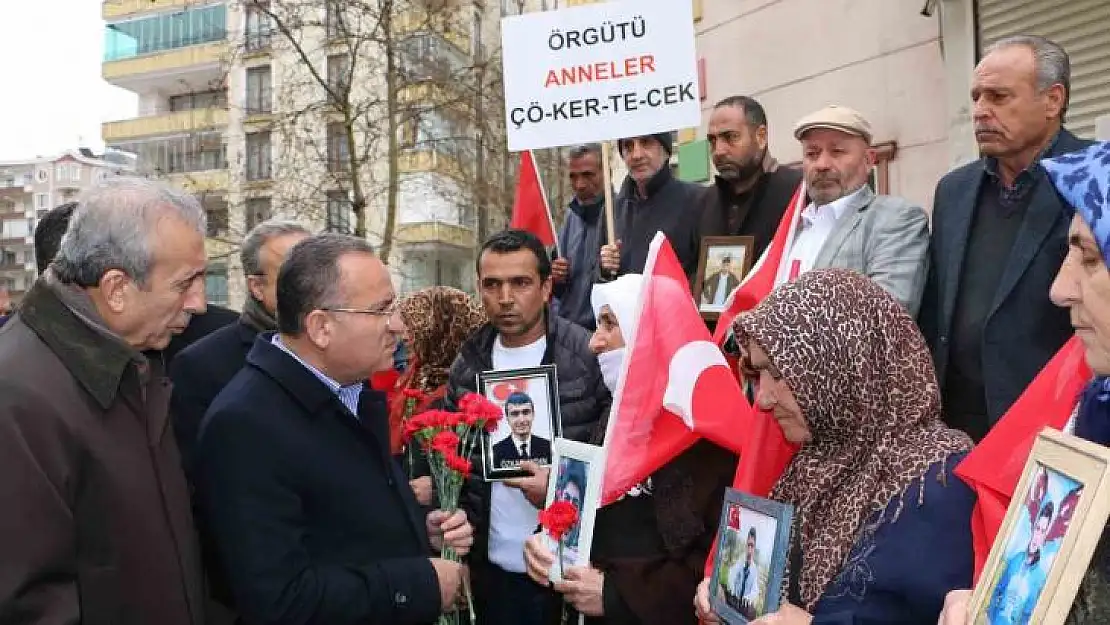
(773, 394)
(1083, 287)
(608, 335)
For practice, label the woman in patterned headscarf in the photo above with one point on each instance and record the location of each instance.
(437, 322)
(1082, 286)
(881, 528)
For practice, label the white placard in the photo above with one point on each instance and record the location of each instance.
(597, 72)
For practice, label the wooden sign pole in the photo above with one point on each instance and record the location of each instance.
(606, 179)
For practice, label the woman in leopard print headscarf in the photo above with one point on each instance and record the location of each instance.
(882, 528)
(437, 322)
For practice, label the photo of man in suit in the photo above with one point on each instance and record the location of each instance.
(745, 588)
(521, 444)
(717, 287)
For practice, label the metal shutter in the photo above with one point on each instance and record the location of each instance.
(1082, 27)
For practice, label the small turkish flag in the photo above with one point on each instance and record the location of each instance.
(530, 209)
(676, 386)
(993, 468)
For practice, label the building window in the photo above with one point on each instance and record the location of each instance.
(258, 211)
(258, 156)
(259, 95)
(165, 31)
(338, 213)
(339, 156)
(16, 229)
(216, 211)
(259, 28)
(195, 101)
(42, 174)
(339, 69)
(333, 20)
(42, 201)
(215, 284)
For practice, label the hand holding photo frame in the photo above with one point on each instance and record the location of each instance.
(576, 476)
(530, 400)
(722, 265)
(752, 543)
(1048, 536)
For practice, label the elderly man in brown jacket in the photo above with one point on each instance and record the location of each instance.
(95, 523)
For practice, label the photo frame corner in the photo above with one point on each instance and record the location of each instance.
(1079, 461)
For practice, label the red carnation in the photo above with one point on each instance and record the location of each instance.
(446, 443)
(559, 518)
(457, 463)
(414, 394)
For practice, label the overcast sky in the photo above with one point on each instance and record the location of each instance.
(53, 96)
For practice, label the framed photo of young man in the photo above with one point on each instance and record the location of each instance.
(529, 399)
(722, 265)
(576, 475)
(750, 561)
(1049, 534)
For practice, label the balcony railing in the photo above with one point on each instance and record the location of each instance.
(169, 123)
(206, 55)
(436, 232)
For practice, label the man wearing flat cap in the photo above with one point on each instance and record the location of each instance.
(846, 224)
(651, 199)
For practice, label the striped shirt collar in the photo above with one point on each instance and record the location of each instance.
(348, 395)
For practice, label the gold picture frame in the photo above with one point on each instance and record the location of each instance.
(713, 251)
(1049, 534)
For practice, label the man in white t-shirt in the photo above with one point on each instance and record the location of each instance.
(514, 279)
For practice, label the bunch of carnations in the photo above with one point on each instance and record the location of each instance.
(558, 519)
(449, 440)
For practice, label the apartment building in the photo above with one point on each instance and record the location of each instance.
(30, 188)
(906, 65)
(232, 110)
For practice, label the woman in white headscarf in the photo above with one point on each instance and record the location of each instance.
(649, 548)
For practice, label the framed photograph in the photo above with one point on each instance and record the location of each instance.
(1048, 536)
(722, 264)
(752, 543)
(576, 476)
(530, 401)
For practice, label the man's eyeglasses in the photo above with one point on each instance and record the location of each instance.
(386, 312)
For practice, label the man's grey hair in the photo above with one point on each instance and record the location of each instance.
(251, 252)
(310, 278)
(584, 149)
(1051, 61)
(113, 225)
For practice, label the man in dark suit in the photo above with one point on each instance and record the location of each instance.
(521, 444)
(314, 519)
(48, 237)
(751, 191)
(999, 237)
(200, 372)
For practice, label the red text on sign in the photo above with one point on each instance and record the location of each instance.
(606, 70)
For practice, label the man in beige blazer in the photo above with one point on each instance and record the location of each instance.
(848, 225)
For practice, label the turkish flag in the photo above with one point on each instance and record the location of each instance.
(676, 386)
(994, 466)
(530, 210)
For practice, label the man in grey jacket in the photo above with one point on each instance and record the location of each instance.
(846, 224)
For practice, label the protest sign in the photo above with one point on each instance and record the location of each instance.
(597, 72)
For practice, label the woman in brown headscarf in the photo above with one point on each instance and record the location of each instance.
(437, 321)
(882, 528)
